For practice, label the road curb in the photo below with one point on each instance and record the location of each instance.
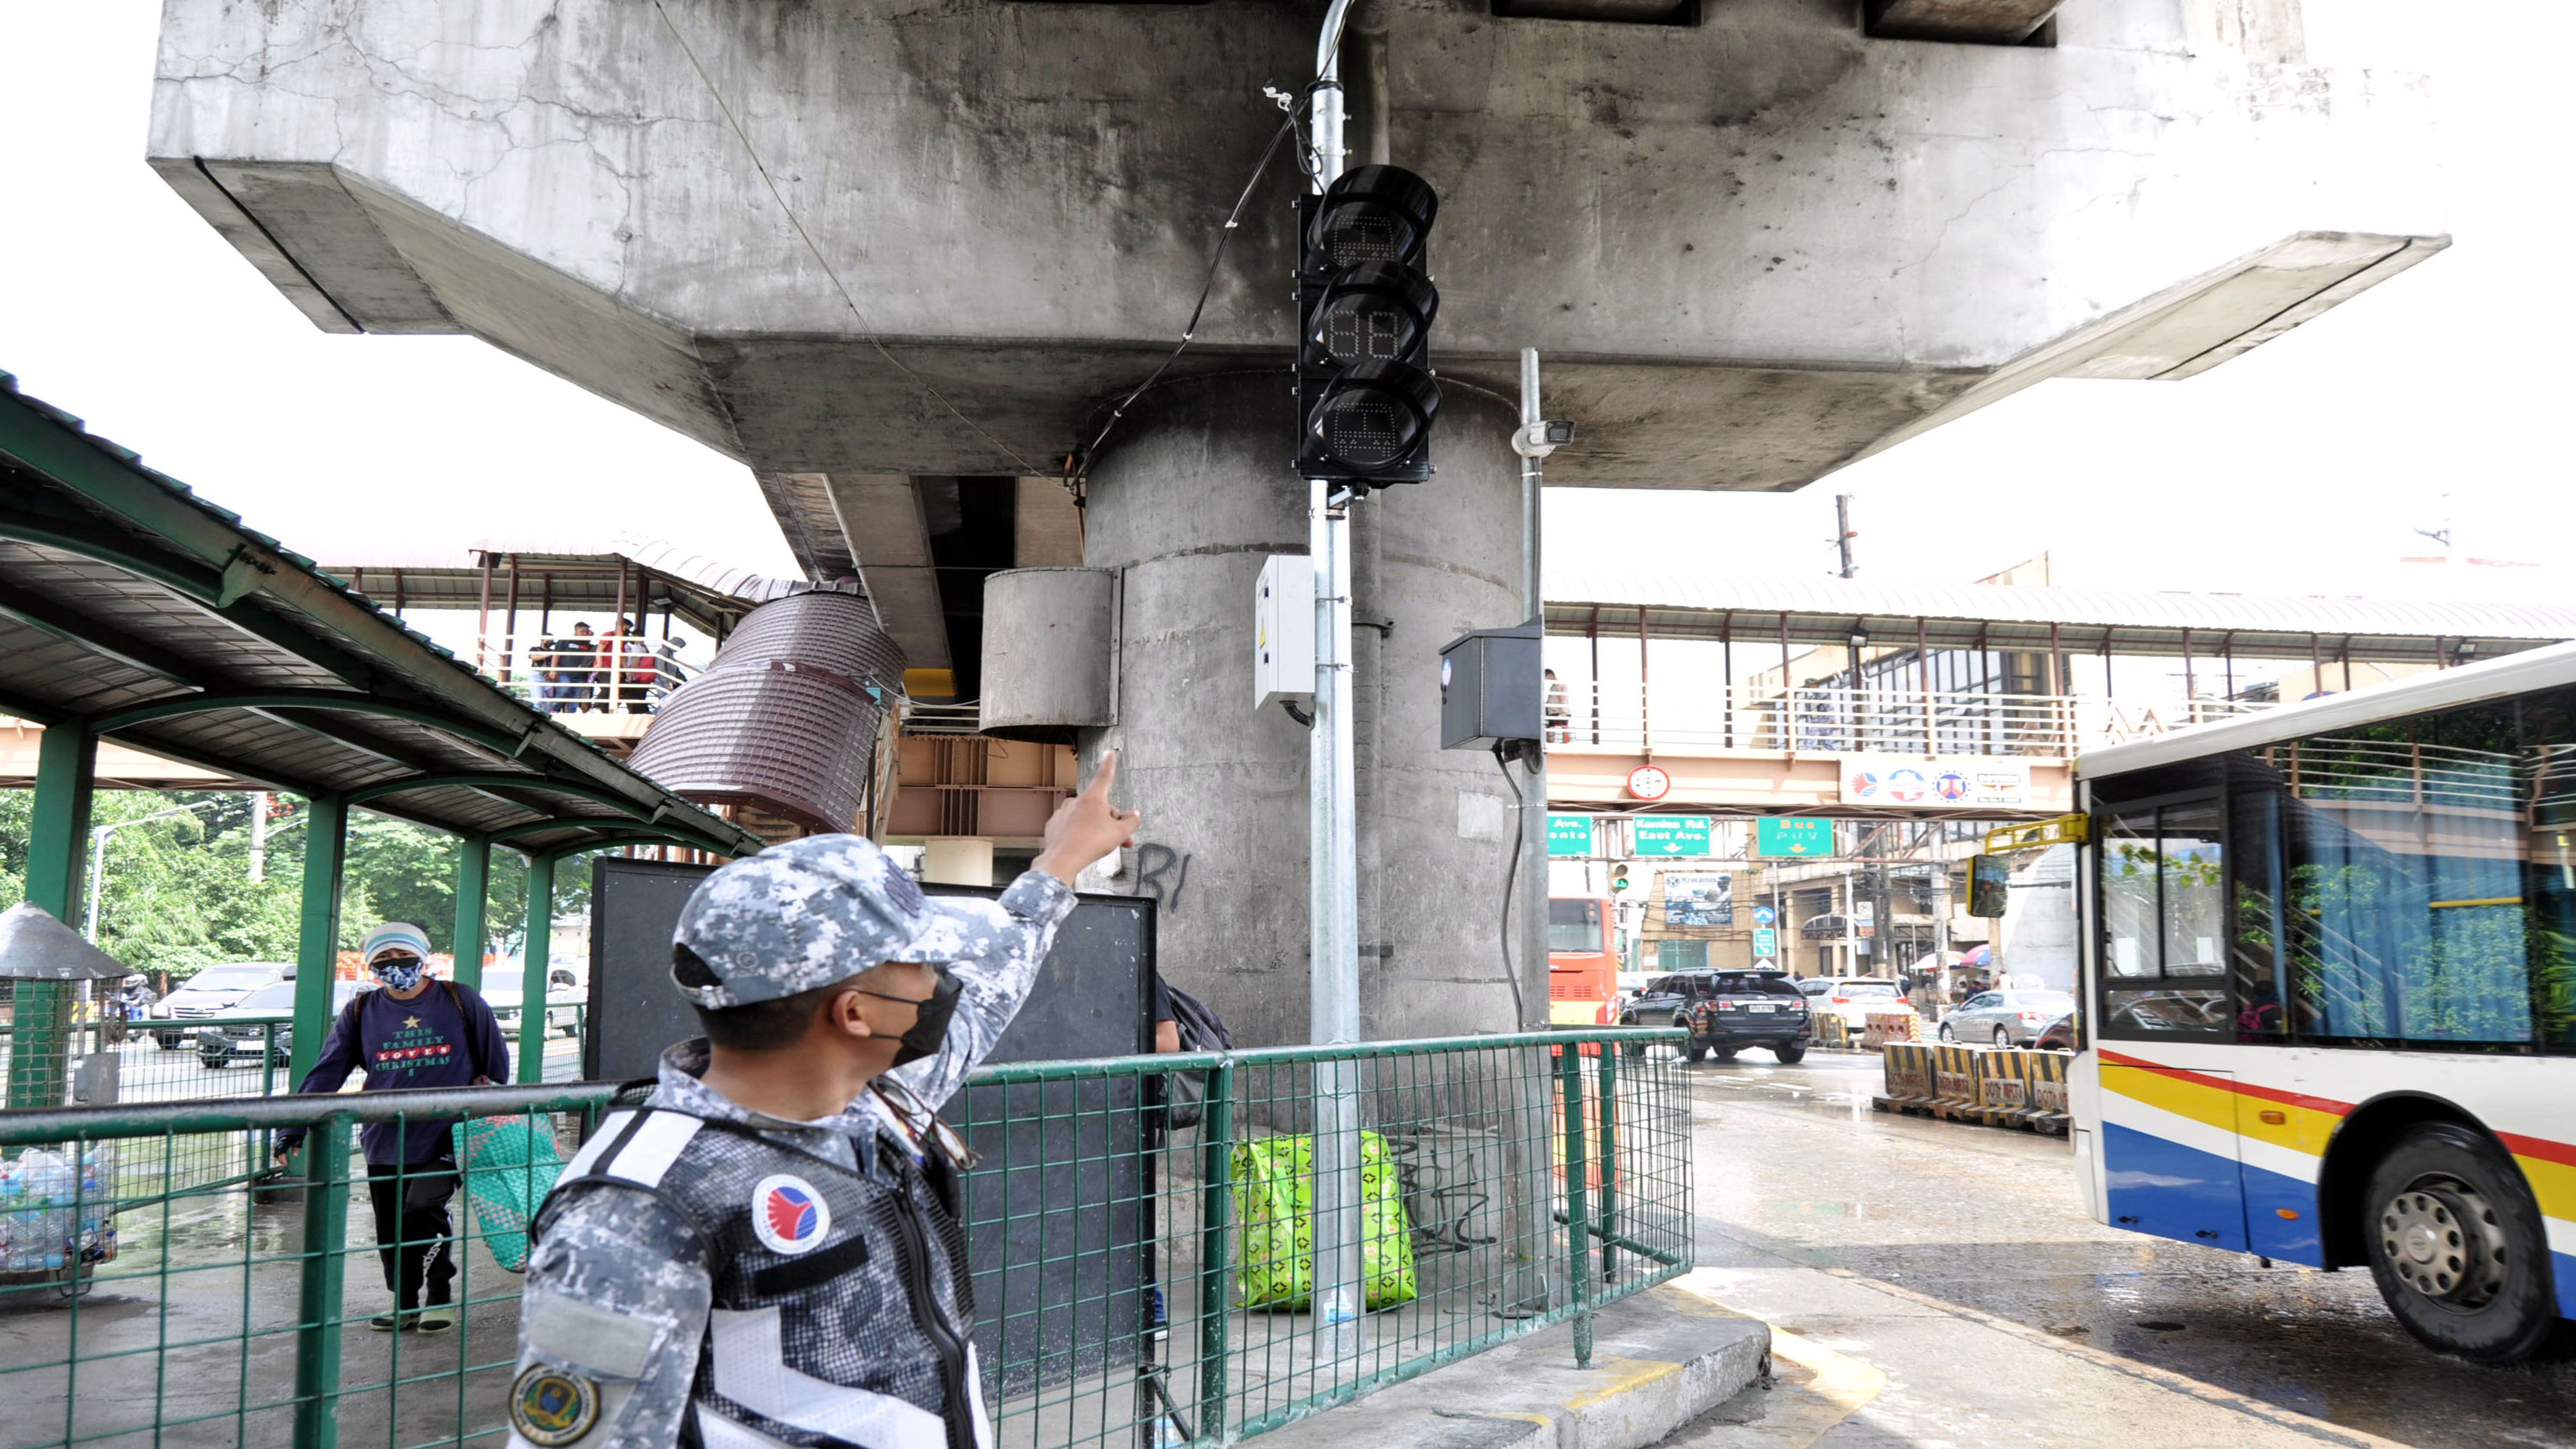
(1659, 1360)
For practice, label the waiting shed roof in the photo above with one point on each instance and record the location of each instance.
(132, 606)
(2019, 617)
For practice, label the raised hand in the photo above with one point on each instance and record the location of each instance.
(1087, 827)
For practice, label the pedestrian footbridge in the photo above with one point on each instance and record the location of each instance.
(1753, 696)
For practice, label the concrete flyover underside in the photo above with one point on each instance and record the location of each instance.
(1753, 249)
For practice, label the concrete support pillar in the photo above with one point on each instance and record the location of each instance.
(57, 855)
(317, 940)
(473, 891)
(1186, 502)
(533, 959)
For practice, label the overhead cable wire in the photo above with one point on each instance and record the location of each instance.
(1026, 468)
(1079, 464)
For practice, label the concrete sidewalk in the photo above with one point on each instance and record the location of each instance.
(1659, 1360)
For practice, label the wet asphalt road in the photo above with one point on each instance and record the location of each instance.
(1796, 1172)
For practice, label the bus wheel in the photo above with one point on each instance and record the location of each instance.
(2456, 1245)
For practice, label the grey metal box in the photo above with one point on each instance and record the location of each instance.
(1490, 688)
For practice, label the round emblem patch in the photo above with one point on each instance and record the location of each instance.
(789, 1215)
(550, 1407)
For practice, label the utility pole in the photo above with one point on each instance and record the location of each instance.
(1333, 1009)
(258, 836)
(1843, 534)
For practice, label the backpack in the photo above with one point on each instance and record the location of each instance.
(1201, 1030)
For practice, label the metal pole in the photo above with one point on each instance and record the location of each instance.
(1843, 533)
(1333, 1012)
(258, 836)
(483, 615)
(1216, 1237)
(1569, 1077)
(1527, 1190)
(510, 622)
(321, 1282)
(1533, 821)
(532, 975)
(473, 886)
(317, 943)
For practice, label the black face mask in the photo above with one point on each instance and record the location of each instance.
(931, 1016)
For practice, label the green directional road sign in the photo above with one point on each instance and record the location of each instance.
(1765, 941)
(1776, 837)
(1569, 835)
(1670, 835)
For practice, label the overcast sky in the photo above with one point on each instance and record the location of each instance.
(2303, 466)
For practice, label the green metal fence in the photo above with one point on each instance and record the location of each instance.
(1139, 1284)
(162, 1059)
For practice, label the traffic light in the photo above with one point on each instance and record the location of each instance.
(1618, 877)
(1365, 303)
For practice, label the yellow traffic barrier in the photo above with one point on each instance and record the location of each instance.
(1909, 1078)
(2047, 1111)
(2003, 1085)
(1954, 1081)
(1832, 1031)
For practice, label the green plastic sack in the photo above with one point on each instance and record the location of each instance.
(510, 1164)
(1273, 1182)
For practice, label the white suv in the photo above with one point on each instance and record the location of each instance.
(1852, 998)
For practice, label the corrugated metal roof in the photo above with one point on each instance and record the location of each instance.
(120, 589)
(1822, 609)
(2203, 613)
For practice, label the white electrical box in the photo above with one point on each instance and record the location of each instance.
(1283, 631)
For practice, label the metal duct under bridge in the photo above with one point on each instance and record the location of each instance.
(786, 719)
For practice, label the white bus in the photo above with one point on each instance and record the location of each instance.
(2330, 988)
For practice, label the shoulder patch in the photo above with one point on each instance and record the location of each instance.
(789, 1215)
(550, 1407)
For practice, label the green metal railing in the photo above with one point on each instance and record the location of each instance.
(1138, 1285)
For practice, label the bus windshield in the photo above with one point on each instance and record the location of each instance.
(1574, 928)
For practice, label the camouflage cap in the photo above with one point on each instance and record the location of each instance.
(809, 913)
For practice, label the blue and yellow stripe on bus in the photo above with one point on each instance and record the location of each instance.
(2204, 1157)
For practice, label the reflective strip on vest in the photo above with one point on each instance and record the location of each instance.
(652, 1149)
(751, 1369)
(716, 1431)
(611, 1127)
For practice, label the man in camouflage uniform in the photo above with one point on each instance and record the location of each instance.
(766, 1252)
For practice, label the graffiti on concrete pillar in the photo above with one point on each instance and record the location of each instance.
(1162, 872)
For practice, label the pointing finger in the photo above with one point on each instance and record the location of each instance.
(1105, 776)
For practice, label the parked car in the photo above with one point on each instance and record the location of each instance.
(1751, 1008)
(1852, 998)
(1667, 999)
(2005, 1018)
(238, 1031)
(506, 997)
(214, 989)
(2060, 1036)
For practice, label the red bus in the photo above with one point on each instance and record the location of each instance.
(1582, 967)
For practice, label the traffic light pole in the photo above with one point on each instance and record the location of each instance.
(1332, 837)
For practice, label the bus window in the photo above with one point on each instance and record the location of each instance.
(2163, 892)
(2405, 880)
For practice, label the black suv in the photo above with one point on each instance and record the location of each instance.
(1751, 1008)
(1669, 1000)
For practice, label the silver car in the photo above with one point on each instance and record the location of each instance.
(2005, 1018)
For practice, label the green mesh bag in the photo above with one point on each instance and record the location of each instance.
(510, 1164)
(1273, 1182)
